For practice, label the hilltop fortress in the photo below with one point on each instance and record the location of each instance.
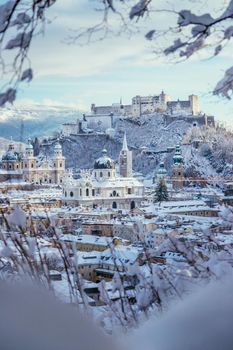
(104, 118)
(150, 104)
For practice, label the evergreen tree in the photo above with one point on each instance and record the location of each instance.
(161, 193)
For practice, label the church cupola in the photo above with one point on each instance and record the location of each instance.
(177, 158)
(104, 167)
(58, 150)
(125, 160)
(29, 149)
(162, 172)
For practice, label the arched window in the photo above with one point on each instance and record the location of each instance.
(87, 192)
(114, 193)
(65, 194)
(109, 174)
(93, 192)
(71, 194)
(60, 165)
(80, 192)
(32, 165)
(114, 205)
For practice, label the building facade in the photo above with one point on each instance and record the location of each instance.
(33, 169)
(45, 171)
(102, 187)
(150, 104)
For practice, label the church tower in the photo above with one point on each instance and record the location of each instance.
(59, 164)
(29, 163)
(125, 160)
(178, 169)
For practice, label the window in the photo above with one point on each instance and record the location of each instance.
(60, 165)
(87, 192)
(114, 193)
(65, 194)
(80, 192)
(25, 165)
(32, 165)
(93, 192)
(101, 174)
(71, 194)
(129, 190)
(114, 205)
(109, 174)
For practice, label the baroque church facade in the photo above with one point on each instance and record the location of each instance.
(103, 187)
(45, 171)
(33, 169)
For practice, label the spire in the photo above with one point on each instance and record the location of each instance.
(124, 146)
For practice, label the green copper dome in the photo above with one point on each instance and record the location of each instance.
(177, 158)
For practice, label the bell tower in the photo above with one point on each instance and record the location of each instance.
(29, 163)
(59, 164)
(125, 160)
(178, 169)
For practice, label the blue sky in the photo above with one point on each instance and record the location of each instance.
(105, 71)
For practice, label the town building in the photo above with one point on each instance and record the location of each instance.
(103, 187)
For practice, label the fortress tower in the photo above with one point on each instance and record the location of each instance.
(194, 104)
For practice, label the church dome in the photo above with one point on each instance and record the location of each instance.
(104, 162)
(162, 170)
(11, 156)
(57, 146)
(29, 145)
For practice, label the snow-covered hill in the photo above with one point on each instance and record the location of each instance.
(148, 131)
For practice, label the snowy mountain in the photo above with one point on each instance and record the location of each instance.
(35, 120)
